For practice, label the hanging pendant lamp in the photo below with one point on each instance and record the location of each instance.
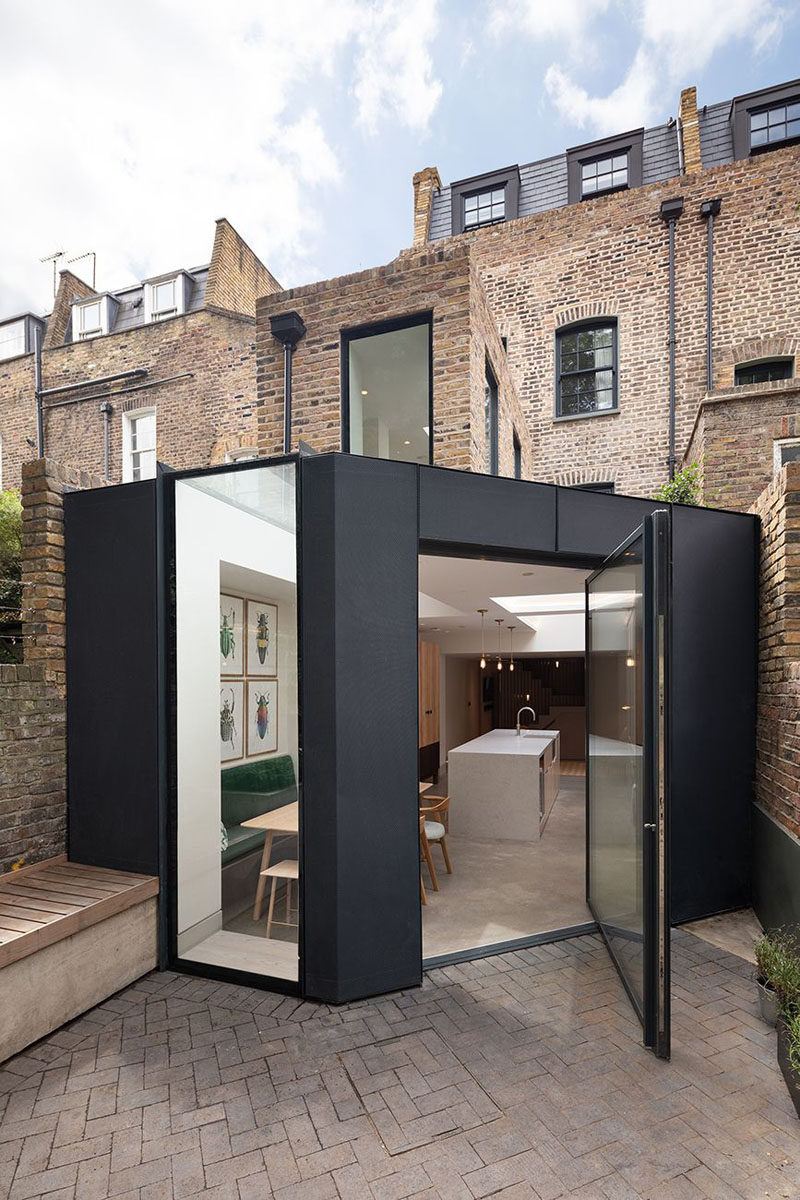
(483, 612)
(511, 629)
(499, 622)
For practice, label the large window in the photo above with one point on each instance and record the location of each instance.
(139, 445)
(608, 165)
(12, 338)
(387, 390)
(765, 371)
(766, 119)
(604, 175)
(484, 199)
(586, 376)
(485, 208)
(89, 320)
(491, 421)
(769, 126)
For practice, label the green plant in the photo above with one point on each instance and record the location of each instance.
(792, 1021)
(685, 488)
(778, 966)
(10, 569)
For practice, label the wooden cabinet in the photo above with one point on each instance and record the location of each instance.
(428, 665)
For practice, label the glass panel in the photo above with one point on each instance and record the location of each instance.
(792, 111)
(164, 296)
(389, 394)
(237, 727)
(490, 419)
(777, 116)
(12, 339)
(615, 717)
(793, 128)
(758, 120)
(790, 453)
(90, 316)
(758, 137)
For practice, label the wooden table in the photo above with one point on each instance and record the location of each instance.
(285, 819)
(423, 787)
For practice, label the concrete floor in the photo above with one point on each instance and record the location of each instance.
(520, 1076)
(734, 931)
(500, 890)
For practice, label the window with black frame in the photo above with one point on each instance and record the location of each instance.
(485, 208)
(608, 174)
(586, 376)
(776, 124)
(766, 371)
(491, 421)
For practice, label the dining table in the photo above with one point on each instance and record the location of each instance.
(285, 819)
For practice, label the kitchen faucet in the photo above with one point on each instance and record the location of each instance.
(527, 708)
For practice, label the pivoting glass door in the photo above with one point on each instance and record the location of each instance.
(627, 659)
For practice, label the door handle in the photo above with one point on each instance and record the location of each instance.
(648, 825)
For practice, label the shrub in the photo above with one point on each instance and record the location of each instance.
(792, 1021)
(10, 571)
(685, 488)
(778, 966)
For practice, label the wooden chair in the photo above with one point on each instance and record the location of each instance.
(288, 870)
(425, 853)
(436, 821)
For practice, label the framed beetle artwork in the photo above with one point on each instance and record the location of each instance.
(231, 635)
(231, 720)
(262, 716)
(262, 639)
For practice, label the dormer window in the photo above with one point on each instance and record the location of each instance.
(609, 165)
(766, 120)
(166, 297)
(485, 200)
(92, 318)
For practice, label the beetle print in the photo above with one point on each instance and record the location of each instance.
(262, 715)
(227, 724)
(227, 640)
(262, 637)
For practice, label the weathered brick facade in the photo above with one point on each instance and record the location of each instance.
(443, 282)
(32, 694)
(205, 413)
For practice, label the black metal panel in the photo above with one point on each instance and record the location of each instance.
(457, 508)
(112, 677)
(713, 707)
(361, 915)
(776, 872)
(595, 523)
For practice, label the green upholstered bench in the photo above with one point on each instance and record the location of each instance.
(247, 791)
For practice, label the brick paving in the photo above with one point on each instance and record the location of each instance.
(519, 1076)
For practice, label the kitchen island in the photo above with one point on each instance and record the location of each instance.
(503, 785)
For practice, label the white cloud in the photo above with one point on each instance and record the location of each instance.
(127, 129)
(565, 20)
(394, 75)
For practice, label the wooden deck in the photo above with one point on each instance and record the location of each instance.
(49, 901)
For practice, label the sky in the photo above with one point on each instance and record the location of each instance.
(127, 129)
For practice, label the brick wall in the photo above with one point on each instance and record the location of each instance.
(777, 787)
(32, 693)
(236, 278)
(441, 282)
(735, 434)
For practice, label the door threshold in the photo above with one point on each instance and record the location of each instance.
(523, 943)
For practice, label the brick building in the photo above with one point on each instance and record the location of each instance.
(567, 263)
(161, 370)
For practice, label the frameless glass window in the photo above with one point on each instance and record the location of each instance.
(485, 208)
(765, 371)
(604, 174)
(615, 717)
(237, 727)
(490, 422)
(586, 370)
(517, 456)
(773, 125)
(388, 393)
(12, 339)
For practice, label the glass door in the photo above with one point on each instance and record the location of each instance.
(627, 660)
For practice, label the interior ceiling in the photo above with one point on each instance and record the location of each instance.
(453, 589)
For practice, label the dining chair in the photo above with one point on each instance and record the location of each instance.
(425, 853)
(288, 870)
(436, 814)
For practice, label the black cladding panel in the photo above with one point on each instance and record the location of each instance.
(112, 679)
(486, 511)
(595, 523)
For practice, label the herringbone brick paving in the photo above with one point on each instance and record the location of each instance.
(520, 1076)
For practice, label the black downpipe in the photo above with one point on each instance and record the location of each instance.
(288, 328)
(670, 212)
(710, 209)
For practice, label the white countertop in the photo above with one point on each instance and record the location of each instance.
(603, 747)
(506, 741)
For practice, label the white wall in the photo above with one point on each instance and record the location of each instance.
(210, 532)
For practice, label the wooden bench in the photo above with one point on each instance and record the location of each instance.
(70, 936)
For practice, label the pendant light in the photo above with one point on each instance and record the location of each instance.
(498, 623)
(511, 629)
(483, 612)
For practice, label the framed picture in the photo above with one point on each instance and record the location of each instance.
(231, 630)
(262, 639)
(231, 720)
(262, 716)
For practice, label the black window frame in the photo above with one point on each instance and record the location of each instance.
(355, 333)
(492, 411)
(743, 107)
(782, 360)
(629, 143)
(581, 327)
(517, 454)
(507, 178)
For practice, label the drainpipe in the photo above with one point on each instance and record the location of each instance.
(670, 212)
(106, 409)
(287, 328)
(710, 209)
(37, 388)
